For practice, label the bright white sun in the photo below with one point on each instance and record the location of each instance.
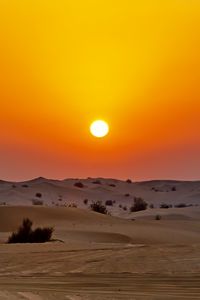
(99, 128)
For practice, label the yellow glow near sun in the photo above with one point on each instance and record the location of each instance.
(99, 128)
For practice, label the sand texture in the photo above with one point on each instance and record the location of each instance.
(94, 256)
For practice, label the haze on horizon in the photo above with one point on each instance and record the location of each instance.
(134, 64)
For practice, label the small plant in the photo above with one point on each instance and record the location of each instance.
(109, 203)
(157, 217)
(139, 204)
(24, 185)
(151, 206)
(129, 181)
(73, 205)
(37, 202)
(164, 205)
(180, 205)
(127, 195)
(79, 184)
(85, 201)
(25, 234)
(173, 189)
(96, 182)
(124, 208)
(99, 207)
(120, 206)
(112, 184)
(38, 195)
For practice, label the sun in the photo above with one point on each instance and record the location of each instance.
(99, 128)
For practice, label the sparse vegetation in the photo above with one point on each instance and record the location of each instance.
(157, 217)
(139, 204)
(127, 195)
(180, 205)
(151, 206)
(112, 184)
(38, 195)
(79, 184)
(125, 208)
(24, 185)
(173, 189)
(109, 203)
(96, 181)
(72, 205)
(129, 181)
(164, 205)
(37, 202)
(25, 234)
(99, 207)
(85, 201)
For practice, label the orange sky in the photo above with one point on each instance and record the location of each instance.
(136, 64)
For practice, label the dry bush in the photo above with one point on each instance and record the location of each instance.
(99, 207)
(109, 203)
(37, 202)
(79, 184)
(25, 234)
(139, 204)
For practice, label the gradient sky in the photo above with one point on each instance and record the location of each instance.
(135, 64)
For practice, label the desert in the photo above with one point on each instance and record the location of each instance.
(119, 255)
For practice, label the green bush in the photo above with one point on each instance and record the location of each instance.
(25, 234)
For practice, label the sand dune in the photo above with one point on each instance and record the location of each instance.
(94, 256)
(63, 192)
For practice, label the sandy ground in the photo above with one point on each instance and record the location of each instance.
(102, 257)
(65, 192)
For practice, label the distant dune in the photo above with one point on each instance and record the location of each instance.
(65, 192)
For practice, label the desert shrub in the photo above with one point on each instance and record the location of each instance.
(120, 206)
(180, 205)
(151, 206)
(41, 235)
(73, 205)
(157, 217)
(79, 184)
(38, 195)
(25, 234)
(37, 202)
(164, 205)
(139, 204)
(96, 181)
(13, 186)
(127, 195)
(98, 207)
(112, 184)
(173, 189)
(85, 201)
(129, 181)
(124, 208)
(109, 203)
(3, 203)
(24, 185)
